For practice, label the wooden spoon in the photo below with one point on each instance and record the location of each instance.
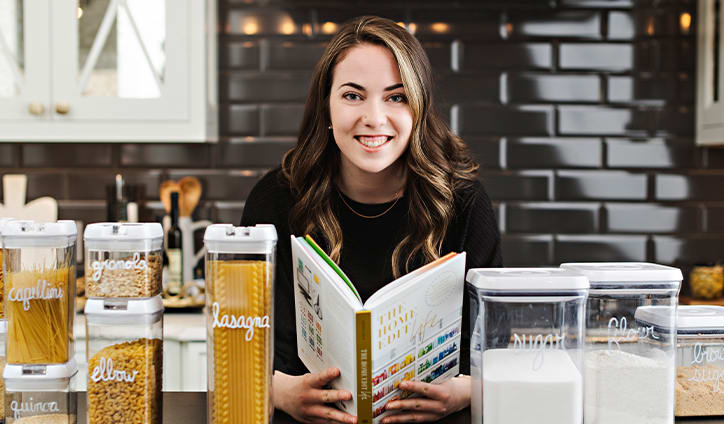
(190, 193)
(167, 187)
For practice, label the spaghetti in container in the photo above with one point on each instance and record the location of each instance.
(39, 265)
(3, 221)
(239, 297)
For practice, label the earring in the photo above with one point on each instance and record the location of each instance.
(329, 127)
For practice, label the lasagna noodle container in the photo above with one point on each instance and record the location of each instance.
(40, 394)
(239, 297)
(123, 260)
(39, 276)
(623, 350)
(527, 327)
(125, 360)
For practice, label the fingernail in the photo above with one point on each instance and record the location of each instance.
(391, 405)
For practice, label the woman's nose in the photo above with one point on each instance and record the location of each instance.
(374, 115)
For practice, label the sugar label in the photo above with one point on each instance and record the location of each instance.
(712, 375)
(539, 344)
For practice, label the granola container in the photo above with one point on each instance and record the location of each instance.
(40, 394)
(239, 298)
(125, 360)
(39, 265)
(123, 260)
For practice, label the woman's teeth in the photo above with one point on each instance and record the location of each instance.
(373, 141)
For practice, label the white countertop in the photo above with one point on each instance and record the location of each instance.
(183, 327)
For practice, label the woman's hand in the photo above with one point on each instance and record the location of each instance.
(436, 401)
(304, 397)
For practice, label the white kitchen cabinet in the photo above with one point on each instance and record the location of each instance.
(107, 70)
(710, 73)
(193, 356)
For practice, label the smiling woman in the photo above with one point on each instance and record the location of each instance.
(382, 182)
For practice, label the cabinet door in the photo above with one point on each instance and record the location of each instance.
(710, 73)
(120, 60)
(24, 60)
(193, 363)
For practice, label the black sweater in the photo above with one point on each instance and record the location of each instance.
(366, 250)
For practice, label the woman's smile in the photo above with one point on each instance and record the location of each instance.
(373, 142)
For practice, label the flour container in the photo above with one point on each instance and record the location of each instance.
(527, 345)
(40, 394)
(39, 265)
(125, 360)
(239, 298)
(629, 367)
(123, 260)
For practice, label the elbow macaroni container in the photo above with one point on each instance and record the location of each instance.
(125, 360)
(629, 366)
(39, 265)
(40, 394)
(123, 260)
(527, 345)
(239, 297)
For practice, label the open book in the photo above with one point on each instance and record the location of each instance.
(408, 330)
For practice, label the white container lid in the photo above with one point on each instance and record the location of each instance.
(55, 377)
(626, 272)
(225, 238)
(526, 279)
(116, 236)
(4, 221)
(124, 311)
(58, 234)
(695, 317)
(660, 315)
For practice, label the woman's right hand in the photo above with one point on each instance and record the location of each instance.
(305, 399)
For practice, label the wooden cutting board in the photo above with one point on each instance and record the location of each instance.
(44, 209)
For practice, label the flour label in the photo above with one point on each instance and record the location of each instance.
(618, 332)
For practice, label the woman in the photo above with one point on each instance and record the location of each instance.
(380, 180)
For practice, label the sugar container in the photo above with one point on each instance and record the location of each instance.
(125, 360)
(629, 366)
(527, 345)
(39, 264)
(40, 394)
(123, 260)
(239, 298)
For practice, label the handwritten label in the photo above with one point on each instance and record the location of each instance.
(233, 322)
(19, 408)
(110, 264)
(539, 344)
(43, 291)
(618, 331)
(105, 372)
(712, 374)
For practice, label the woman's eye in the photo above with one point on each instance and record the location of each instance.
(352, 96)
(398, 98)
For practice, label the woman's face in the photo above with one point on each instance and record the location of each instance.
(371, 120)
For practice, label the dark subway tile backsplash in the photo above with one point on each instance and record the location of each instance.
(600, 185)
(600, 248)
(530, 55)
(616, 57)
(650, 218)
(554, 217)
(527, 250)
(498, 120)
(553, 153)
(542, 88)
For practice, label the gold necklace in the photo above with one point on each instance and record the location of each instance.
(397, 198)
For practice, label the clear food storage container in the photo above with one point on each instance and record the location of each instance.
(3, 361)
(527, 345)
(3, 221)
(125, 360)
(40, 394)
(700, 361)
(123, 260)
(239, 298)
(39, 264)
(629, 368)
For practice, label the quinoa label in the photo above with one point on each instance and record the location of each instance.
(19, 408)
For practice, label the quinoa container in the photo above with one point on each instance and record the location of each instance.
(40, 394)
(123, 260)
(125, 360)
(239, 298)
(527, 345)
(629, 367)
(39, 266)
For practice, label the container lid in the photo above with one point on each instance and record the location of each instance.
(3, 327)
(55, 377)
(124, 311)
(123, 236)
(626, 272)
(660, 315)
(229, 239)
(526, 279)
(17, 233)
(695, 317)
(4, 221)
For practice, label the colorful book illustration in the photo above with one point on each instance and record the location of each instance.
(408, 330)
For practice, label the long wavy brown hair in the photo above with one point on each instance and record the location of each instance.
(437, 162)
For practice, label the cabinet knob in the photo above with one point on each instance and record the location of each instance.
(62, 108)
(36, 109)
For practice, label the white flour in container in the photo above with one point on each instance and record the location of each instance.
(623, 388)
(515, 392)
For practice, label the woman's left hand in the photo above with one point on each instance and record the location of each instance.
(435, 400)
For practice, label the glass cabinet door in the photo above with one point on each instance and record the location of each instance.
(119, 59)
(24, 60)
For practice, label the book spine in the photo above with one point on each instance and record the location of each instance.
(364, 364)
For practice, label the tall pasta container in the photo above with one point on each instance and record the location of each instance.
(239, 298)
(125, 360)
(39, 275)
(3, 361)
(3, 221)
(629, 367)
(123, 260)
